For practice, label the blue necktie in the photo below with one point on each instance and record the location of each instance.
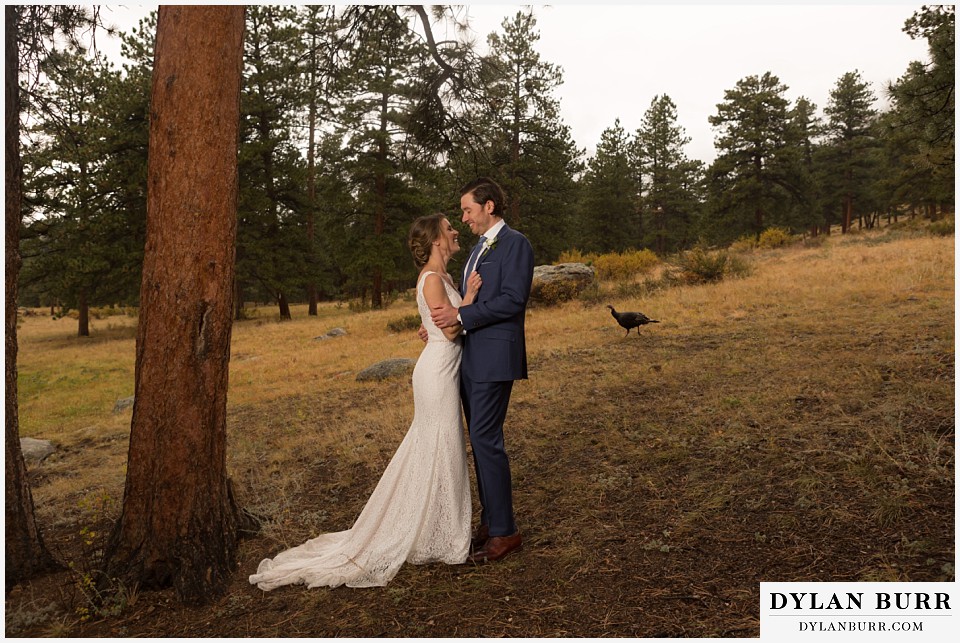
(472, 263)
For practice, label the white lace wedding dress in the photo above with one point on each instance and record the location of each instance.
(420, 510)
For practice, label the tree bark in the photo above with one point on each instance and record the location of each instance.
(758, 211)
(513, 204)
(312, 176)
(380, 207)
(83, 315)
(284, 306)
(847, 213)
(26, 554)
(237, 299)
(179, 522)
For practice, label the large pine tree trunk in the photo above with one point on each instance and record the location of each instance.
(25, 551)
(178, 524)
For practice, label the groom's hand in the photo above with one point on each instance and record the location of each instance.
(445, 316)
(422, 333)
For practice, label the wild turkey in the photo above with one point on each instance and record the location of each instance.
(631, 320)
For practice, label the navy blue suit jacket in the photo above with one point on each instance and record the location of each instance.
(494, 348)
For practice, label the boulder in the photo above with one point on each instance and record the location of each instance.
(388, 368)
(333, 332)
(561, 282)
(122, 404)
(36, 450)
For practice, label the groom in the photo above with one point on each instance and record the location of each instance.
(494, 355)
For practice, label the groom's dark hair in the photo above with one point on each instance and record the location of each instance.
(485, 189)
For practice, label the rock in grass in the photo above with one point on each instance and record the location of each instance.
(123, 404)
(333, 332)
(386, 369)
(553, 284)
(36, 450)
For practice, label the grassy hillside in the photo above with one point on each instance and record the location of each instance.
(794, 424)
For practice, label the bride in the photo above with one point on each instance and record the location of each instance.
(420, 509)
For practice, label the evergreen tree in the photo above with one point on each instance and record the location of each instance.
(755, 178)
(848, 168)
(670, 181)
(106, 142)
(532, 152)
(30, 32)
(385, 77)
(319, 29)
(610, 197)
(64, 182)
(90, 124)
(905, 184)
(179, 522)
(923, 120)
(271, 248)
(805, 130)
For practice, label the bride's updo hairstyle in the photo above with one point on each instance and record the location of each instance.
(423, 232)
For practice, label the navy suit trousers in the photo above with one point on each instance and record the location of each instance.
(485, 407)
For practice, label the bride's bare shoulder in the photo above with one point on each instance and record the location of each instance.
(432, 282)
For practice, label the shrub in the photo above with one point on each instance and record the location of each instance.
(700, 266)
(359, 305)
(745, 243)
(738, 267)
(409, 322)
(556, 292)
(575, 256)
(95, 595)
(592, 294)
(942, 228)
(625, 265)
(103, 312)
(774, 238)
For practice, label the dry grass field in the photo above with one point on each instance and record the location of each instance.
(796, 424)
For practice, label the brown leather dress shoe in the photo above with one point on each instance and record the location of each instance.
(496, 548)
(480, 537)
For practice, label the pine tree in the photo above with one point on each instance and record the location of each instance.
(669, 180)
(532, 152)
(179, 522)
(850, 163)
(805, 130)
(65, 181)
(271, 249)
(755, 176)
(385, 76)
(610, 197)
(923, 119)
(29, 33)
(318, 26)
(86, 187)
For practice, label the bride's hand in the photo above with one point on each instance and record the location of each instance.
(473, 285)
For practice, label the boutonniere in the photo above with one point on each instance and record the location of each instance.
(489, 244)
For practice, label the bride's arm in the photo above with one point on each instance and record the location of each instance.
(436, 297)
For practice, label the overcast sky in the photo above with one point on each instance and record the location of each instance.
(617, 57)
